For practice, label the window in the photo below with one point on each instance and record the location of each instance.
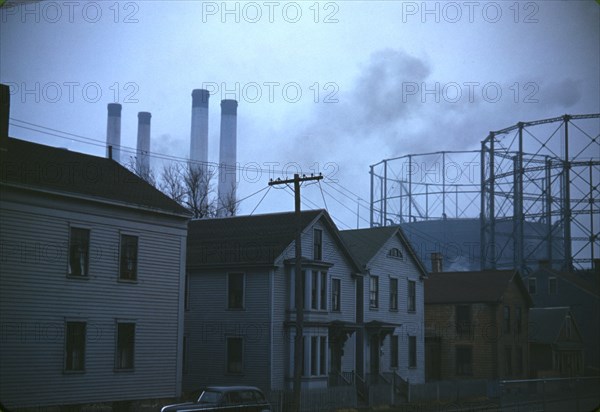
(394, 351)
(412, 296)
(336, 295)
(374, 292)
(393, 294)
(129, 257)
(318, 244)
(568, 326)
(314, 355)
(464, 360)
(323, 291)
(235, 291)
(125, 345)
(318, 290)
(185, 354)
(235, 359)
(412, 351)
(186, 294)
(395, 253)
(463, 320)
(318, 355)
(532, 286)
(506, 319)
(314, 303)
(552, 286)
(79, 250)
(518, 319)
(75, 346)
(508, 360)
(519, 354)
(323, 357)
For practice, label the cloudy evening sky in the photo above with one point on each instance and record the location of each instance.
(329, 86)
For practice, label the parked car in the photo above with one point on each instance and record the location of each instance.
(225, 398)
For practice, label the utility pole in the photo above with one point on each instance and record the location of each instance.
(299, 292)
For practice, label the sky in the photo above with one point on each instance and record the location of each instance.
(329, 86)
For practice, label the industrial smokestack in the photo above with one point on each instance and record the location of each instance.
(143, 145)
(113, 132)
(199, 133)
(227, 158)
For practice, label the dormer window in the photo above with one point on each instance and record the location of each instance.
(395, 253)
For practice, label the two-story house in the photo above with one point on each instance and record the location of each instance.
(476, 325)
(93, 262)
(555, 343)
(92, 266)
(240, 301)
(578, 290)
(392, 338)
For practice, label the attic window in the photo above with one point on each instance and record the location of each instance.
(395, 253)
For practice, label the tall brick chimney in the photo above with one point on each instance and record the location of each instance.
(436, 262)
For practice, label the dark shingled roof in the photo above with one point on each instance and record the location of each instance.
(365, 243)
(250, 240)
(59, 171)
(470, 287)
(545, 324)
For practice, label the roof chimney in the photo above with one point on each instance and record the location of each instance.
(227, 156)
(436, 262)
(143, 145)
(113, 132)
(4, 114)
(199, 133)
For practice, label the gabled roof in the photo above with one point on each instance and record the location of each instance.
(366, 243)
(33, 166)
(471, 287)
(587, 281)
(545, 324)
(256, 240)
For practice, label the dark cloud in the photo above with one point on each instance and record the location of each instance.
(565, 93)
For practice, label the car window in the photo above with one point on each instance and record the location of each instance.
(258, 396)
(210, 397)
(247, 397)
(232, 398)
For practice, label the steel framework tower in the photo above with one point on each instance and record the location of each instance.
(533, 188)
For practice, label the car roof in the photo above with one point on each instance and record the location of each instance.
(231, 388)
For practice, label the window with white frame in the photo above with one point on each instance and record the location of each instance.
(317, 244)
(412, 351)
(235, 355)
(125, 351)
(128, 257)
(314, 290)
(552, 286)
(79, 251)
(532, 286)
(374, 292)
(395, 253)
(393, 294)
(75, 346)
(336, 295)
(412, 296)
(317, 355)
(235, 291)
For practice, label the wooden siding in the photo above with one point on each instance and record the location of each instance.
(37, 298)
(209, 323)
(403, 269)
(267, 349)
